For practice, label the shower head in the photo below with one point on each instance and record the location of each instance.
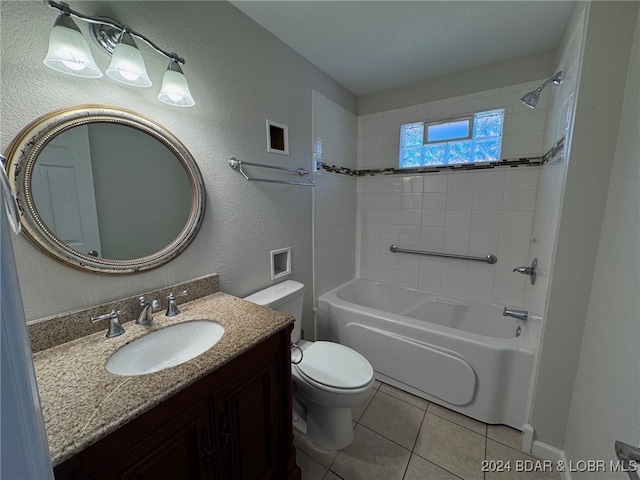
(531, 99)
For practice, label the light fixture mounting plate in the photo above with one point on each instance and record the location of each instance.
(106, 36)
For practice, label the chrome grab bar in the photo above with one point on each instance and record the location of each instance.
(488, 258)
(237, 165)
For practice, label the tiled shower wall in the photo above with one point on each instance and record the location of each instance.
(469, 212)
(334, 196)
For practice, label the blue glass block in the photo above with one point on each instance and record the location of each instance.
(319, 149)
(488, 124)
(434, 154)
(412, 135)
(487, 150)
(460, 152)
(411, 157)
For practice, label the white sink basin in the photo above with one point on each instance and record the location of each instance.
(165, 348)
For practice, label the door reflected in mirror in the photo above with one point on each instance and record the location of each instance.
(111, 189)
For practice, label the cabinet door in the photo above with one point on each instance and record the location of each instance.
(248, 416)
(181, 449)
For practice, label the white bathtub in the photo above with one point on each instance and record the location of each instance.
(461, 354)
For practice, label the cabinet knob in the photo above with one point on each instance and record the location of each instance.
(207, 447)
(223, 425)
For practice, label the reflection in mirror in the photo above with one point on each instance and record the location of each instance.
(106, 190)
(111, 189)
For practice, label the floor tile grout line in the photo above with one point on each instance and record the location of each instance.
(415, 442)
(392, 441)
(510, 447)
(402, 400)
(456, 423)
(437, 465)
(329, 470)
(419, 430)
(506, 444)
(429, 402)
(484, 474)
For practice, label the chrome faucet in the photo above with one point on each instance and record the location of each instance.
(172, 308)
(519, 314)
(115, 329)
(146, 310)
(532, 271)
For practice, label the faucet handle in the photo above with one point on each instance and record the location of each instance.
(173, 296)
(115, 329)
(172, 308)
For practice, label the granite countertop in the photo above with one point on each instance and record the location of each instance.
(82, 402)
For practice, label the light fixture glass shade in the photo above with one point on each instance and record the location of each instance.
(68, 50)
(175, 90)
(127, 65)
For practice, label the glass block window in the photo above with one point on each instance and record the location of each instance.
(443, 131)
(470, 139)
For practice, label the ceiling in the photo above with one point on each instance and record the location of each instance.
(371, 46)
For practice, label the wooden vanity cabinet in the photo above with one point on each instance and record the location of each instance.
(235, 423)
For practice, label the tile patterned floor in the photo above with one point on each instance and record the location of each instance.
(398, 436)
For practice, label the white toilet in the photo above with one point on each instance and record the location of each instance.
(328, 380)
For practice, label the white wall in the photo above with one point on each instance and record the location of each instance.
(607, 48)
(334, 196)
(604, 405)
(496, 75)
(132, 167)
(239, 75)
(472, 212)
(552, 175)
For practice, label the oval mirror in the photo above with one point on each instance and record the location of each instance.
(103, 189)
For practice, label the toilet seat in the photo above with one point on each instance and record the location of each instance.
(328, 364)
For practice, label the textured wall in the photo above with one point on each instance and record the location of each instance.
(607, 386)
(551, 179)
(610, 28)
(239, 75)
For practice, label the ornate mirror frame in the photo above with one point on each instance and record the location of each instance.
(22, 155)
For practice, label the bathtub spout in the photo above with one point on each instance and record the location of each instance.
(519, 314)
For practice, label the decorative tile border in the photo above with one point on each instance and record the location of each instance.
(552, 154)
(557, 149)
(57, 329)
(335, 169)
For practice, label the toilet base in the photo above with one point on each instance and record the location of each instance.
(328, 428)
(331, 428)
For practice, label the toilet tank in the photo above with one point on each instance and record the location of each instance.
(286, 297)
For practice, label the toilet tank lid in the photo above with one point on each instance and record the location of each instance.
(276, 295)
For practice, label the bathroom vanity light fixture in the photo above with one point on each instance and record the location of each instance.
(531, 99)
(69, 53)
(127, 65)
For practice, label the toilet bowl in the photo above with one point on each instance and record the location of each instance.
(328, 378)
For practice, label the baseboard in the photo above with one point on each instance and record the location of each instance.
(557, 456)
(527, 438)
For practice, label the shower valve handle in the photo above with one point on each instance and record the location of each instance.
(524, 270)
(532, 271)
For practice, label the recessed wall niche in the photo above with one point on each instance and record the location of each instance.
(277, 138)
(280, 263)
